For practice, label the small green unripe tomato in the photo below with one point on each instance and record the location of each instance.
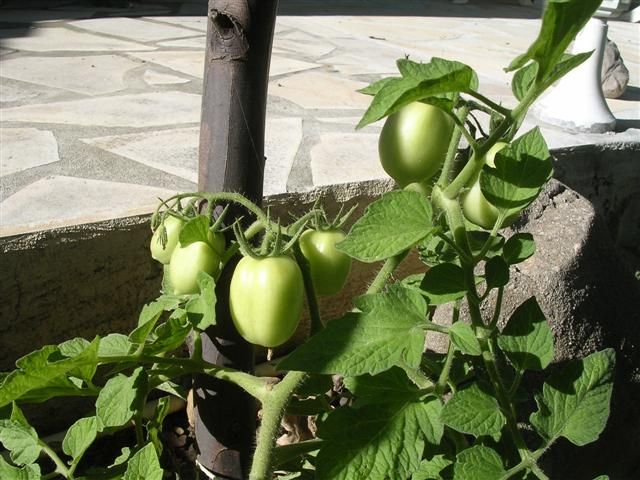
(186, 262)
(173, 225)
(265, 299)
(329, 266)
(414, 141)
(475, 206)
(423, 188)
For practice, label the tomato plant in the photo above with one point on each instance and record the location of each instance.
(414, 142)
(401, 411)
(161, 251)
(266, 298)
(329, 266)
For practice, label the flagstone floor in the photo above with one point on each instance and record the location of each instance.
(100, 107)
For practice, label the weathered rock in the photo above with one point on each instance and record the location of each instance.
(590, 299)
(615, 75)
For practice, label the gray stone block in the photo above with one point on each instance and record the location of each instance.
(615, 75)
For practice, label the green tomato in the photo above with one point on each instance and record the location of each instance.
(329, 266)
(187, 262)
(413, 143)
(475, 206)
(173, 225)
(265, 298)
(423, 188)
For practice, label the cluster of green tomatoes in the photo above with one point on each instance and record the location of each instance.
(413, 145)
(266, 294)
(267, 290)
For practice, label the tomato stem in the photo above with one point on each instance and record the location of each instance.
(386, 271)
(443, 379)
(61, 468)
(312, 300)
(447, 167)
(273, 408)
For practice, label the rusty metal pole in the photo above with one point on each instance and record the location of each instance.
(231, 158)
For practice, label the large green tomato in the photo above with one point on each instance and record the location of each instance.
(329, 266)
(186, 262)
(266, 298)
(475, 206)
(173, 225)
(414, 141)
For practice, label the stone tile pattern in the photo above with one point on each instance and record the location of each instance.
(101, 108)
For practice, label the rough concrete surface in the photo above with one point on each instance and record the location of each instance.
(110, 87)
(590, 299)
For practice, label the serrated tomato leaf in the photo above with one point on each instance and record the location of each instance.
(367, 342)
(575, 400)
(390, 225)
(378, 441)
(527, 339)
(444, 283)
(474, 411)
(522, 169)
(478, 462)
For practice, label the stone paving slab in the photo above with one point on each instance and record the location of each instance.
(106, 102)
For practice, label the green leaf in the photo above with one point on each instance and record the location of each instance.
(431, 469)
(154, 426)
(375, 87)
(43, 368)
(496, 272)
(391, 386)
(195, 230)
(518, 248)
(174, 389)
(21, 441)
(288, 452)
(368, 342)
(444, 283)
(561, 21)
(73, 348)
(463, 337)
(377, 441)
(527, 339)
(523, 80)
(147, 320)
(315, 385)
(168, 336)
(420, 82)
(115, 345)
(28, 472)
(79, 437)
(526, 76)
(473, 411)
(602, 477)
(144, 465)
(478, 462)
(201, 310)
(120, 398)
(125, 454)
(434, 251)
(477, 240)
(522, 169)
(390, 225)
(575, 400)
